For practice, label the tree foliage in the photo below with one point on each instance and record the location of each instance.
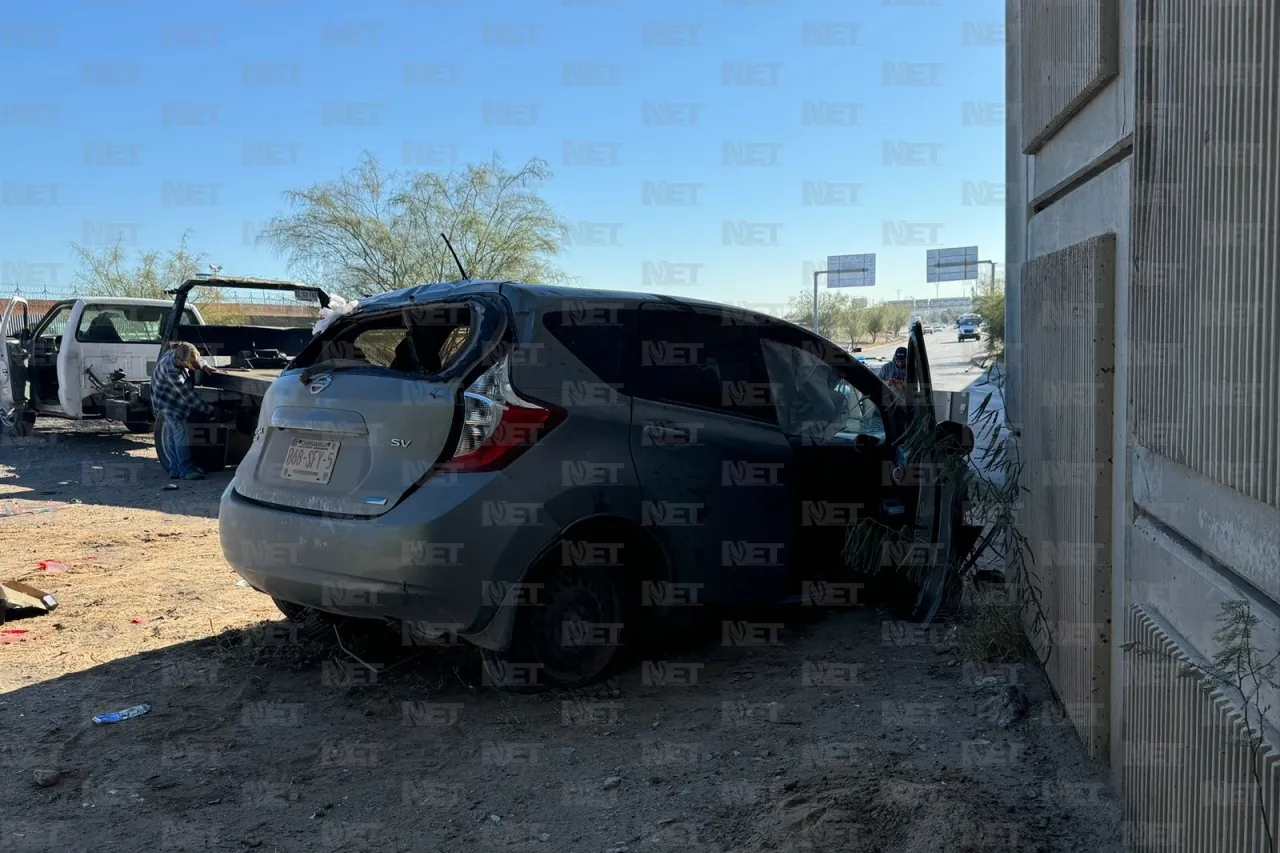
(374, 230)
(877, 321)
(988, 300)
(832, 307)
(110, 271)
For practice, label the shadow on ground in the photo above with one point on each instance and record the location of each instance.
(99, 463)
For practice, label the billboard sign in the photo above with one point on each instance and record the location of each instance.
(851, 270)
(956, 264)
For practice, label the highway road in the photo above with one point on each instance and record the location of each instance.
(949, 361)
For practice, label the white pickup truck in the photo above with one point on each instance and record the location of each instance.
(85, 358)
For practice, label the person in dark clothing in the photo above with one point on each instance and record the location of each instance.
(894, 373)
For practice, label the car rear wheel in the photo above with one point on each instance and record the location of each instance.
(571, 639)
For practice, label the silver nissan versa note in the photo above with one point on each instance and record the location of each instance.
(539, 470)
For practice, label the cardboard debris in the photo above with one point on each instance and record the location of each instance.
(20, 596)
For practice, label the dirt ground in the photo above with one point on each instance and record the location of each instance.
(849, 733)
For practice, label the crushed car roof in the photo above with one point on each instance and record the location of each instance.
(526, 294)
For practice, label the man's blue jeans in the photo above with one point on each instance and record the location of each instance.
(177, 448)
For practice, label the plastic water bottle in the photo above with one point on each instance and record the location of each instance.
(117, 716)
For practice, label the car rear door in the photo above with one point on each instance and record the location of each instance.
(713, 466)
(339, 436)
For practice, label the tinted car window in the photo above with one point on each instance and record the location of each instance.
(814, 400)
(599, 339)
(702, 359)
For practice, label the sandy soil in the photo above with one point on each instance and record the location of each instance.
(850, 733)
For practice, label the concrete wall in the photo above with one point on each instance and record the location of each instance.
(1158, 121)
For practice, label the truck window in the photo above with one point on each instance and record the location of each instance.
(58, 324)
(125, 324)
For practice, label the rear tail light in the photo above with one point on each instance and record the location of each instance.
(498, 425)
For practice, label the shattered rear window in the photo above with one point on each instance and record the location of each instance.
(417, 340)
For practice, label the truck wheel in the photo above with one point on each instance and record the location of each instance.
(158, 434)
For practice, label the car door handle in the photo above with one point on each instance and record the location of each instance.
(658, 432)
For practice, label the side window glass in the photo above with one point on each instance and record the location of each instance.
(704, 360)
(598, 338)
(58, 324)
(814, 401)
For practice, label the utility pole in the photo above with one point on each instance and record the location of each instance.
(816, 273)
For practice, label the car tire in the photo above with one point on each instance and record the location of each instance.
(542, 654)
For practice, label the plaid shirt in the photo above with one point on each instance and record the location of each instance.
(173, 392)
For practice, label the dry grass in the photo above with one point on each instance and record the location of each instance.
(991, 630)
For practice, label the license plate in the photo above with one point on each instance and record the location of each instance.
(310, 460)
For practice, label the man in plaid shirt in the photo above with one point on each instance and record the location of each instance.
(174, 397)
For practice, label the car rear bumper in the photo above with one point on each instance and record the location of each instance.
(429, 570)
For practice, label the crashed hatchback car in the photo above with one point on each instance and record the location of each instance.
(539, 471)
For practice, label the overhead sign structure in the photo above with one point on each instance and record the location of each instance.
(958, 264)
(851, 270)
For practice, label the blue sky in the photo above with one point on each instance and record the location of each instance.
(807, 125)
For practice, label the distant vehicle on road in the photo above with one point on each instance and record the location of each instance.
(968, 328)
(928, 328)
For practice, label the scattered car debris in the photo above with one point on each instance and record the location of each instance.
(169, 487)
(53, 566)
(12, 510)
(20, 596)
(612, 782)
(117, 716)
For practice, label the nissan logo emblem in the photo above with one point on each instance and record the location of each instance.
(320, 383)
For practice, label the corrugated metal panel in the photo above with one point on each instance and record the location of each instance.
(1070, 50)
(1069, 367)
(14, 324)
(1205, 301)
(1192, 780)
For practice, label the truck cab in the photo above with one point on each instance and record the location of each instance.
(85, 358)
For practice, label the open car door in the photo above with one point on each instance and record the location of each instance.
(15, 419)
(936, 459)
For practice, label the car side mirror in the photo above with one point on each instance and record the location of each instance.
(955, 434)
